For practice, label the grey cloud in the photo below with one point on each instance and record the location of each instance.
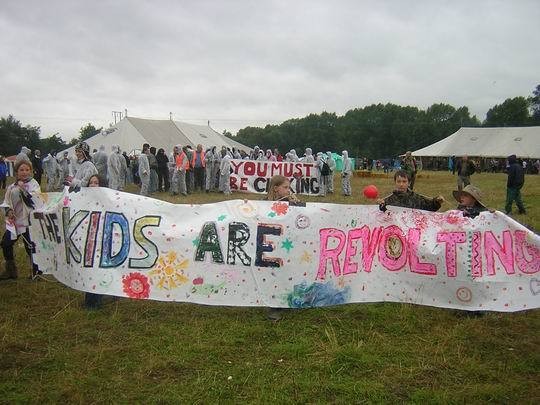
(243, 61)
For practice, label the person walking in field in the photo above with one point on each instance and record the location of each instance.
(408, 164)
(465, 168)
(516, 179)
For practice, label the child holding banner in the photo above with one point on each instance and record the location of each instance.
(279, 190)
(470, 201)
(402, 196)
(93, 301)
(18, 205)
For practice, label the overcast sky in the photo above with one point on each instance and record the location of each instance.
(240, 63)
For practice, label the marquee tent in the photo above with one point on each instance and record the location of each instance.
(130, 134)
(524, 142)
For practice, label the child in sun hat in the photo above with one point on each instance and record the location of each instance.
(470, 201)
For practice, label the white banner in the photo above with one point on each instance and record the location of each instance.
(254, 176)
(264, 253)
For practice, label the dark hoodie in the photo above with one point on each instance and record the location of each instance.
(516, 177)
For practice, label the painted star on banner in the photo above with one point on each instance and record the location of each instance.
(271, 214)
(195, 242)
(306, 257)
(287, 244)
(222, 217)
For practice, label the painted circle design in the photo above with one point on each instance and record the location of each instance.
(394, 247)
(464, 294)
(302, 222)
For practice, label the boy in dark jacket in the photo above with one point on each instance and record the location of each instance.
(402, 196)
(516, 179)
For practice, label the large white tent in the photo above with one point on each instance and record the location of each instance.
(131, 133)
(524, 142)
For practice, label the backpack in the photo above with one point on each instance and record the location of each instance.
(325, 171)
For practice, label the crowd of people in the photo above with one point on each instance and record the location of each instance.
(182, 171)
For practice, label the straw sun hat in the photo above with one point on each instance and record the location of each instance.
(472, 191)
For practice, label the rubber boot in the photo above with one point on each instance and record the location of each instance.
(11, 271)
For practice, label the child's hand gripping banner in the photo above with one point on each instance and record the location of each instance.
(263, 253)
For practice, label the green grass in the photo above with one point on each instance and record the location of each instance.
(147, 351)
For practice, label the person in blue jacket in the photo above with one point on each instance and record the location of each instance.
(3, 172)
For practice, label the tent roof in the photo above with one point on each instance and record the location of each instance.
(524, 142)
(130, 134)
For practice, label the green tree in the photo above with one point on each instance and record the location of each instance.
(88, 131)
(535, 106)
(52, 143)
(375, 131)
(14, 136)
(513, 112)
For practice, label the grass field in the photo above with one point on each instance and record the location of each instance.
(132, 351)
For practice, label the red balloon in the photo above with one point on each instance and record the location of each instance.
(371, 192)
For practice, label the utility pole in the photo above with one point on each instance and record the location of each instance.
(117, 115)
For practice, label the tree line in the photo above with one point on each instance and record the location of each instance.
(14, 135)
(386, 130)
(378, 130)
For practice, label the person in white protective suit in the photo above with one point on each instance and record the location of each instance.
(308, 158)
(225, 174)
(254, 155)
(64, 168)
(236, 154)
(208, 169)
(100, 161)
(52, 169)
(346, 174)
(270, 156)
(172, 169)
(144, 171)
(24, 154)
(116, 168)
(294, 157)
(332, 167)
(215, 168)
(85, 167)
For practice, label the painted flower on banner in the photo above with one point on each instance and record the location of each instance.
(136, 285)
(280, 208)
(168, 273)
(456, 218)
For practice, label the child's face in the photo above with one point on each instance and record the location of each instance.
(467, 200)
(402, 183)
(94, 182)
(282, 190)
(24, 172)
